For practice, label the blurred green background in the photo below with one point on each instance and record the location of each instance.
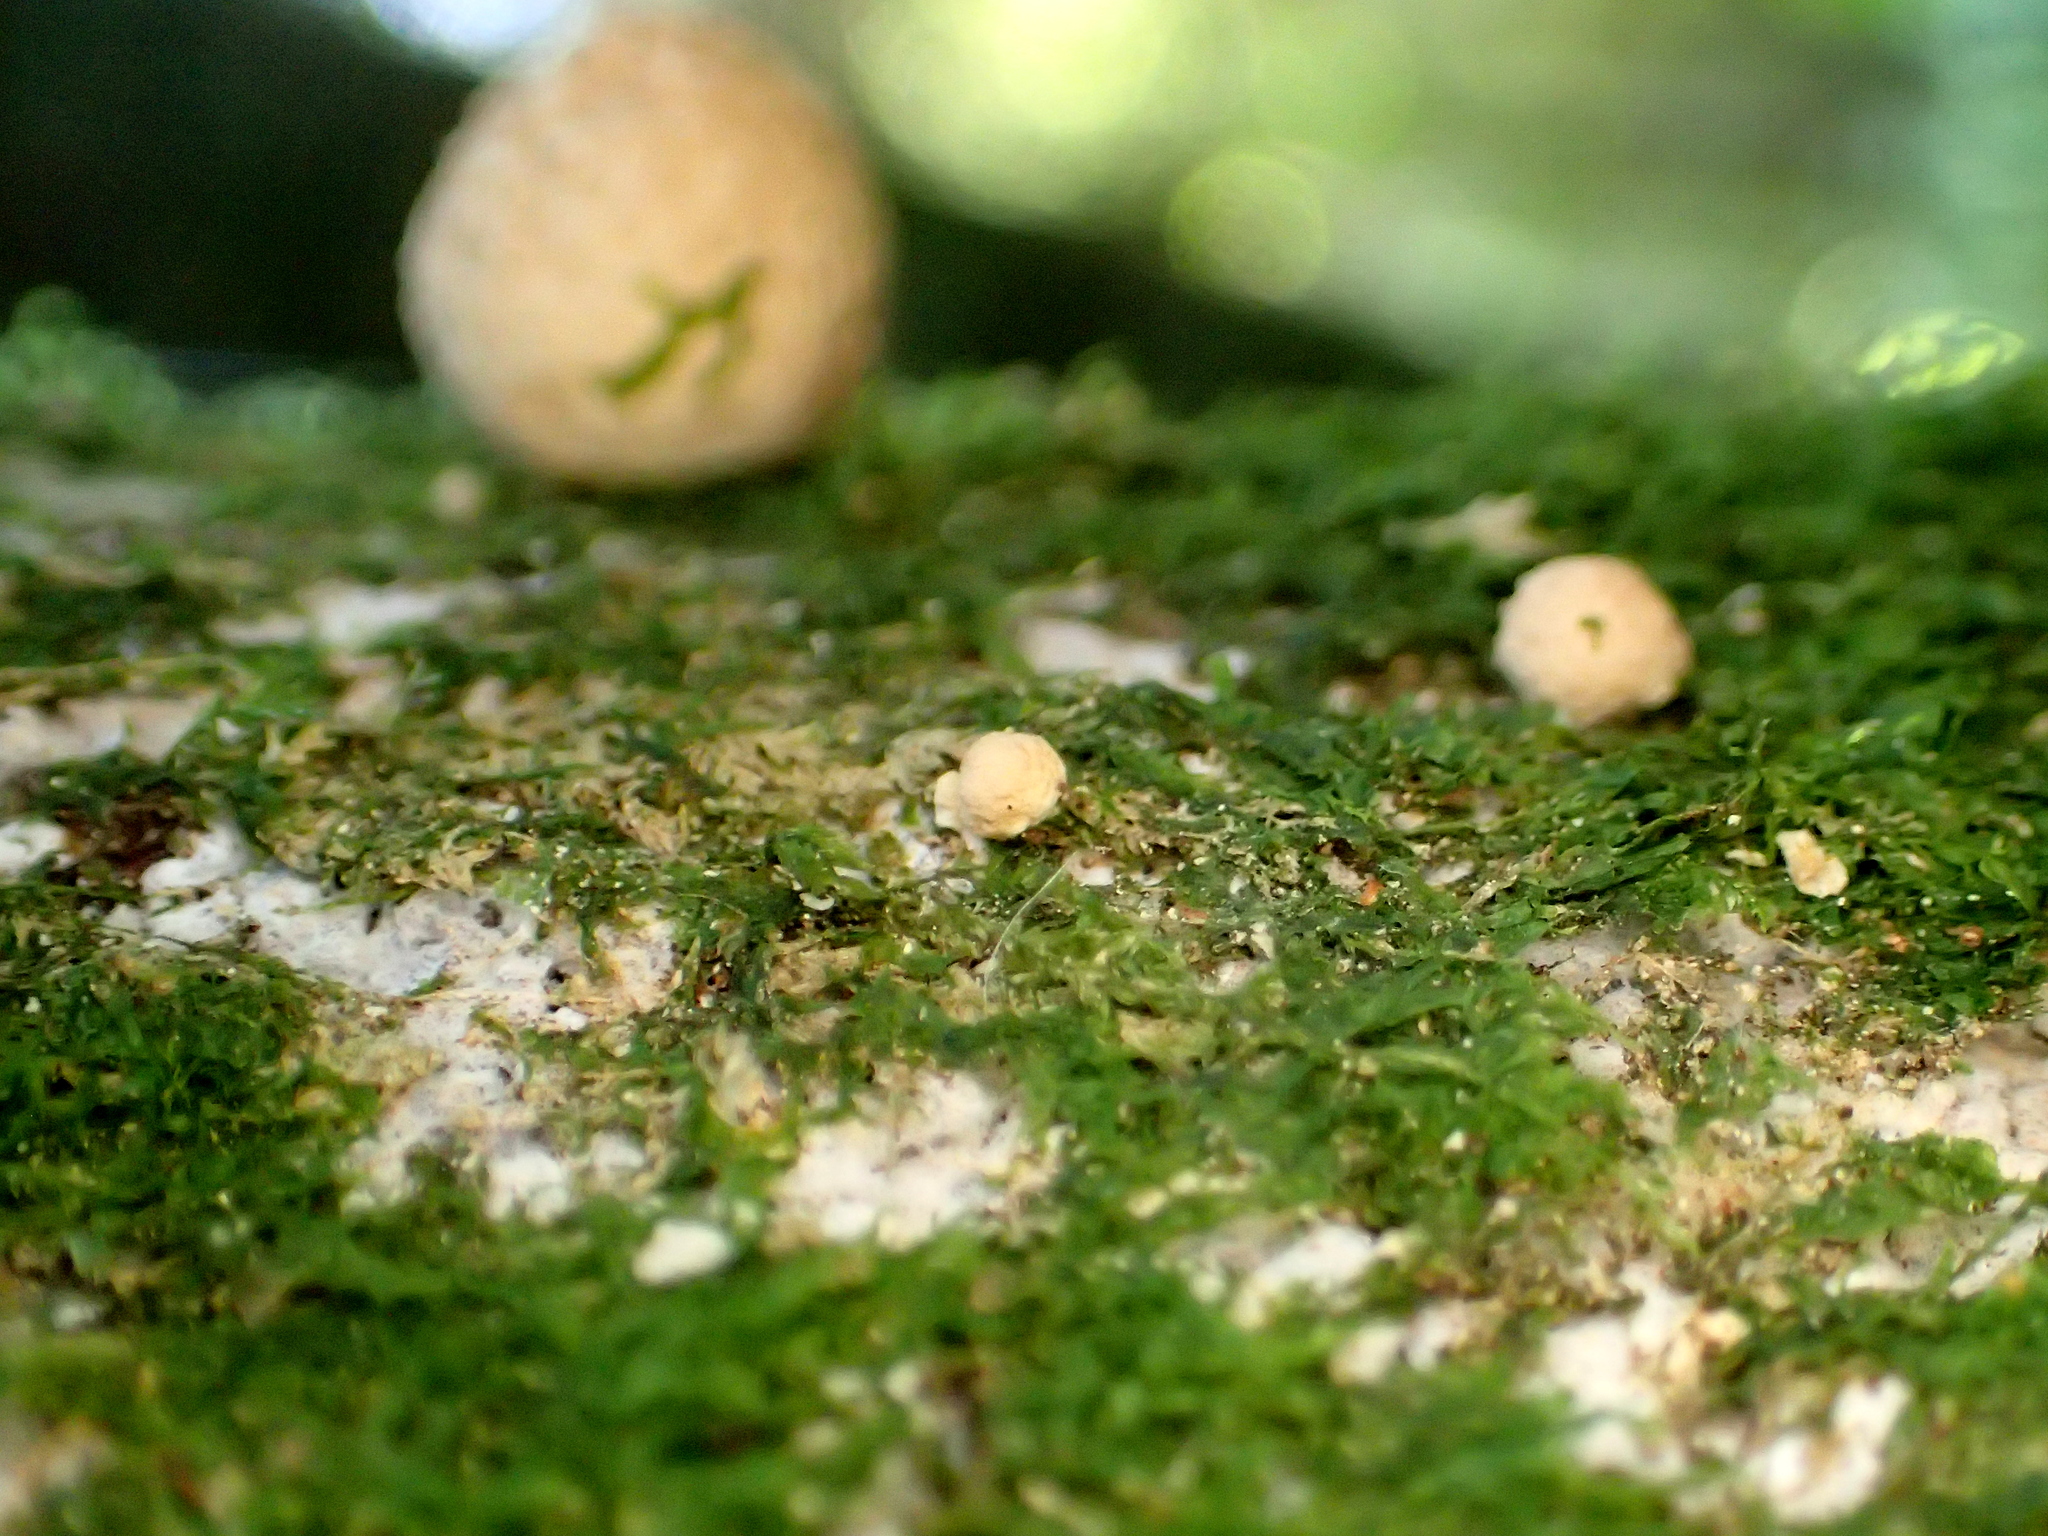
(1231, 190)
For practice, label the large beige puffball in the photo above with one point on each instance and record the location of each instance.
(1592, 636)
(1007, 783)
(657, 258)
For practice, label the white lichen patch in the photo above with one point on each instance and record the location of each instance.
(77, 730)
(496, 972)
(1635, 1379)
(1979, 1251)
(1062, 647)
(25, 844)
(1726, 977)
(261, 629)
(219, 853)
(95, 499)
(682, 1250)
(36, 1462)
(1998, 1095)
(1421, 1342)
(1261, 1264)
(373, 698)
(925, 1151)
(1813, 1476)
(1605, 1061)
(1731, 975)
(1722, 979)
(1638, 1384)
(1497, 527)
(2013, 1250)
(350, 616)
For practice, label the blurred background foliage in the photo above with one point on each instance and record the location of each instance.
(1232, 189)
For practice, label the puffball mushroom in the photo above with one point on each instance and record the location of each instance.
(657, 259)
(1007, 781)
(1592, 636)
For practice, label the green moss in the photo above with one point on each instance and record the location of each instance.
(703, 713)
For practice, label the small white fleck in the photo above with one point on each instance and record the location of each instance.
(1814, 871)
(682, 1250)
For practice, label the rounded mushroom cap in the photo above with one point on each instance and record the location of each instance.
(1007, 781)
(1593, 636)
(659, 258)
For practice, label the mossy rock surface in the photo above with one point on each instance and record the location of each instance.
(1342, 991)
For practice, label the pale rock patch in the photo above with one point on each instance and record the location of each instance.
(925, 1151)
(1634, 1379)
(72, 732)
(351, 616)
(91, 499)
(1092, 871)
(1998, 1097)
(1608, 1061)
(1498, 527)
(614, 1161)
(1723, 974)
(745, 1094)
(1605, 1061)
(36, 1462)
(262, 629)
(1144, 1204)
(1262, 1263)
(1421, 1342)
(897, 1499)
(2010, 1253)
(374, 698)
(639, 950)
(682, 1250)
(1733, 975)
(1369, 1355)
(216, 854)
(912, 829)
(1985, 1249)
(1623, 1006)
(77, 730)
(1637, 1382)
(1727, 977)
(527, 1179)
(1811, 1477)
(1062, 647)
(459, 493)
(25, 844)
(493, 961)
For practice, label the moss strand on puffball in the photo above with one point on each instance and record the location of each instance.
(655, 259)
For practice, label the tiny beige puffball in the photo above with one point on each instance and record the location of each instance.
(1594, 637)
(1007, 781)
(656, 259)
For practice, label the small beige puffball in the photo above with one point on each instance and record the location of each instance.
(657, 259)
(1007, 781)
(1593, 636)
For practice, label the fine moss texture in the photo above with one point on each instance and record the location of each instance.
(1268, 971)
